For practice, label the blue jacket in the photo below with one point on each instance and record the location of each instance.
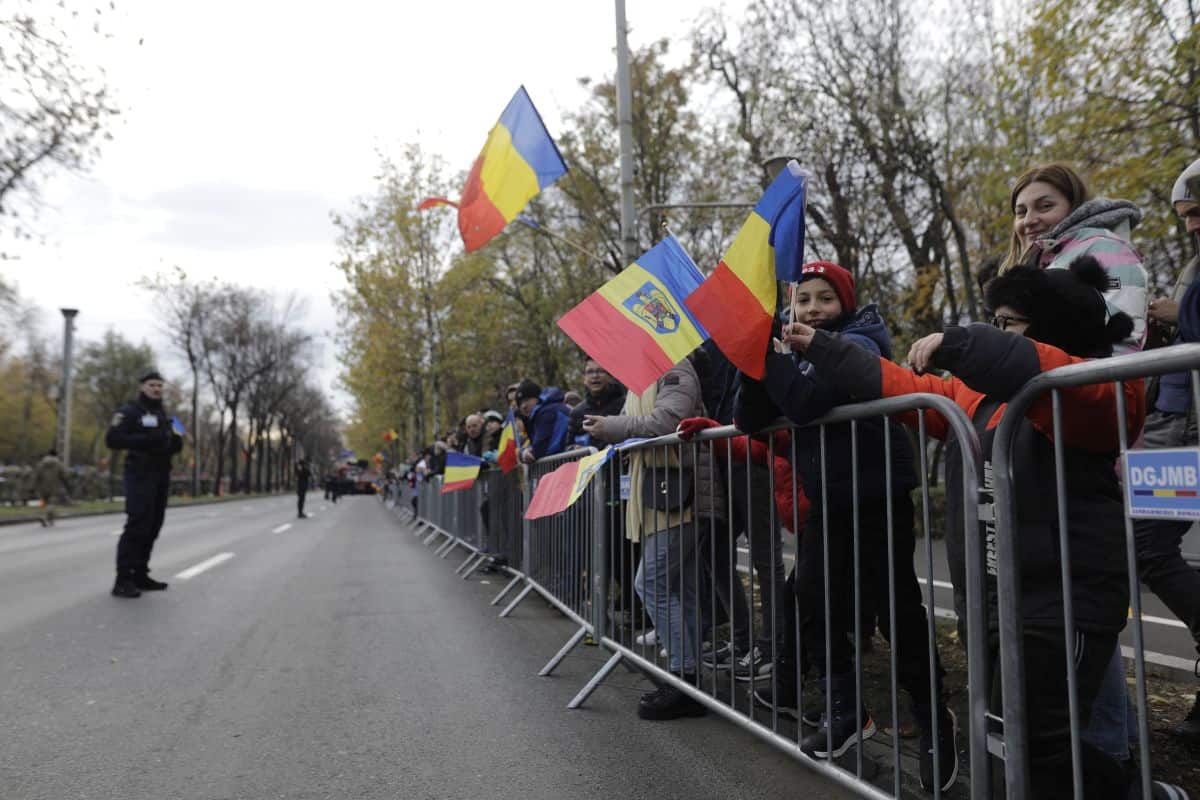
(1175, 389)
(549, 423)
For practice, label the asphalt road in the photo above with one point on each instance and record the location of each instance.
(332, 657)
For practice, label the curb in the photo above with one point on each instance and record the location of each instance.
(81, 515)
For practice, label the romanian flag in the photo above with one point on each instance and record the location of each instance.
(560, 489)
(518, 161)
(390, 435)
(506, 451)
(737, 302)
(636, 326)
(461, 472)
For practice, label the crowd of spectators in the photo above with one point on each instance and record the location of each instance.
(1071, 288)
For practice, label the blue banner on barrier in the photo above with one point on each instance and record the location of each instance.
(1163, 484)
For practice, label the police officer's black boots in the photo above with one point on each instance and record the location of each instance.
(148, 584)
(126, 586)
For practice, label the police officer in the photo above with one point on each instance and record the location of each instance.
(142, 427)
(303, 476)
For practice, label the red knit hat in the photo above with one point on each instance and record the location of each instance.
(836, 276)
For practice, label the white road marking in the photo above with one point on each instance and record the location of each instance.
(938, 584)
(118, 531)
(324, 507)
(281, 528)
(207, 564)
(949, 614)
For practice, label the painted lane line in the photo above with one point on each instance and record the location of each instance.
(938, 584)
(281, 528)
(207, 564)
(118, 531)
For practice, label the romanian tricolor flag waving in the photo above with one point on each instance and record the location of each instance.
(461, 472)
(737, 302)
(636, 326)
(517, 162)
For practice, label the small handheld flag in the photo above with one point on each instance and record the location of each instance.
(637, 326)
(177, 426)
(737, 301)
(560, 489)
(518, 160)
(461, 471)
(506, 451)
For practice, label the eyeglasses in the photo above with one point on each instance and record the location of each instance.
(1002, 321)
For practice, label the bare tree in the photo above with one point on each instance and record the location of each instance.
(53, 108)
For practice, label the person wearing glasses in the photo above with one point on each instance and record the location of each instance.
(1041, 319)
(1056, 221)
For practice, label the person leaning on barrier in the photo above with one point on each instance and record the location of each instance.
(824, 299)
(1172, 423)
(546, 420)
(603, 396)
(143, 428)
(669, 532)
(472, 442)
(49, 478)
(1043, 319)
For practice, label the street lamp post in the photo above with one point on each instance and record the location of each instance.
(63, 433)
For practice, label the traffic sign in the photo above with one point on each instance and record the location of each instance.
(1163, 484)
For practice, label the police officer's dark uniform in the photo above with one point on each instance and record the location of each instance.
(142, 427)
(303, 476)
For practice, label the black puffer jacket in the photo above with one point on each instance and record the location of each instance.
(801, 392)
(991, 367)
(142, 427)
(607, 403)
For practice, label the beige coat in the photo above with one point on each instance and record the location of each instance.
(658, 412)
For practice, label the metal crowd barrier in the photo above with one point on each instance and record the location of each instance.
(757, 521)
(1014, 743)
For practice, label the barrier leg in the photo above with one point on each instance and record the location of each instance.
(450, 547)
(591, 686)
(517, 601)
(432, 536)
(483, 558)
(566, 648)
(471, 555)
(506, 590)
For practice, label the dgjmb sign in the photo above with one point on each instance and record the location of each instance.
(1163, 484)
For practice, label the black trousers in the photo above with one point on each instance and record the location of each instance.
(145, 507)
(1049, 718)
(301, 491)
(911, 637)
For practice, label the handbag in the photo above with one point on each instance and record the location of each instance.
(667, 489)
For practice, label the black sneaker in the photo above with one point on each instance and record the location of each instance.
(845, 734)
(1190, 727)
(1168, 791)
(755, 665)
(669, 703)
(947, 753)
(722, 656)
(125, 587)
(148, 584)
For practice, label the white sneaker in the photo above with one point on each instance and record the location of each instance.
(648, 639)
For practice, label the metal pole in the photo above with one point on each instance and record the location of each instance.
(629, 243)
(63, 434)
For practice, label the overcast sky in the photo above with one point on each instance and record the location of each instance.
(246, 123)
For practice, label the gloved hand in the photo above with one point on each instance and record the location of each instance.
(693, 425)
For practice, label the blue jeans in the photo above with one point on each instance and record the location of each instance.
(666, 582)
(1113, 726)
